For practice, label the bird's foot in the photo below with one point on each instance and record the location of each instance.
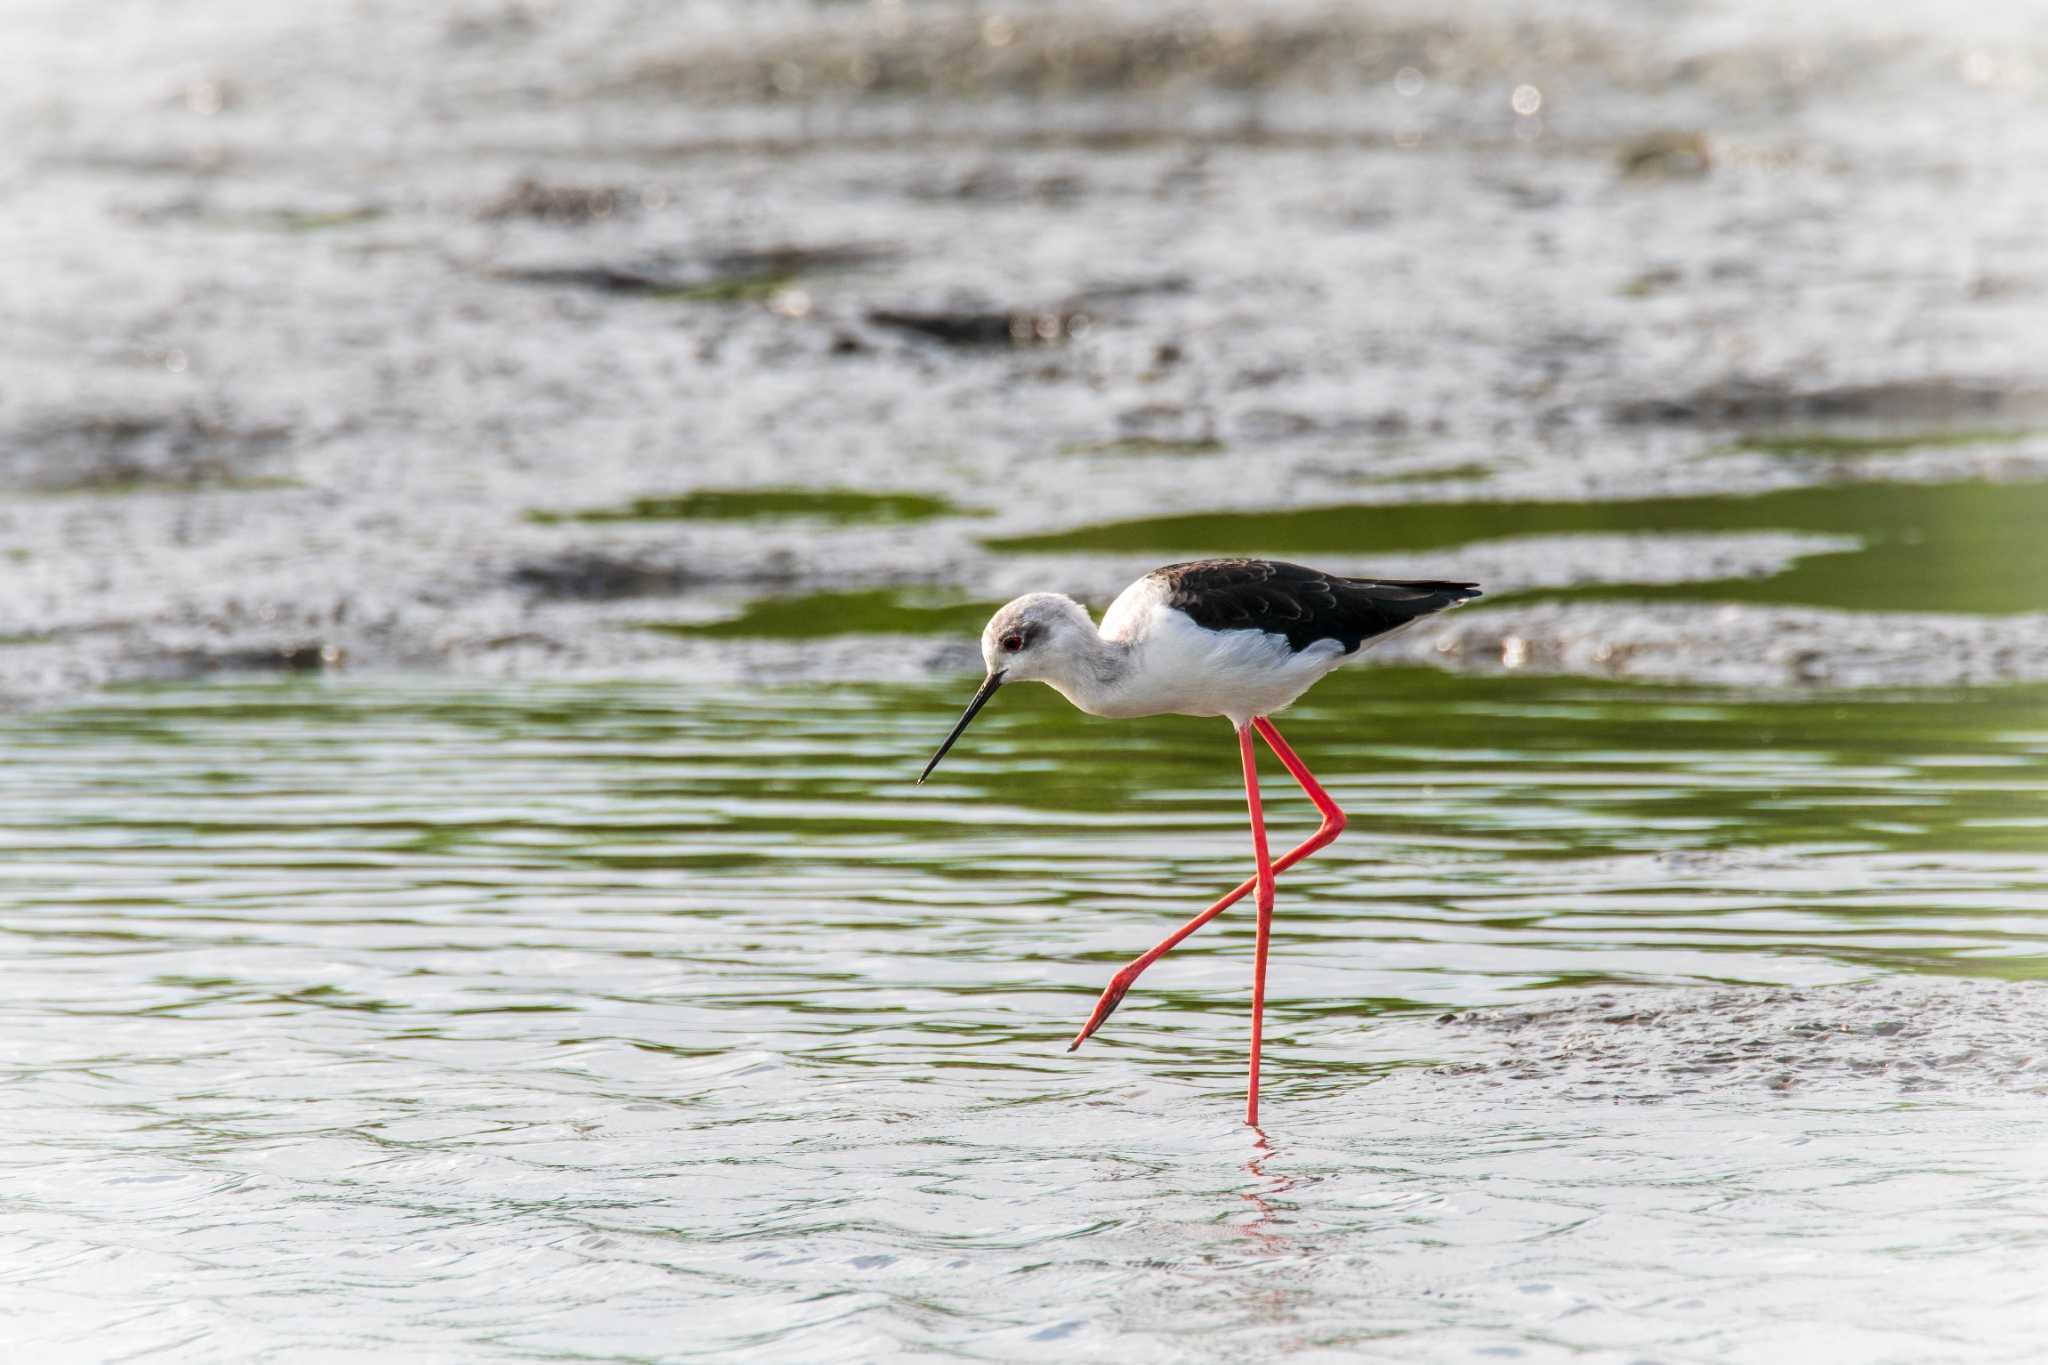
(1112, 996)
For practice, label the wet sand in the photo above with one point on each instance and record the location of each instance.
(324, 327)
(1881, 1040)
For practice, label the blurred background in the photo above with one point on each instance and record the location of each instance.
(497, 499)
(534, 338)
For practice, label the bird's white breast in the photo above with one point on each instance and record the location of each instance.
(1178, 668)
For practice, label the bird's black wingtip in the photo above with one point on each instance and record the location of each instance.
(1436, 592)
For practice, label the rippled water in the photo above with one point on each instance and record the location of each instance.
(629, 1022)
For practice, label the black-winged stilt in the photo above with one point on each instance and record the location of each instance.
(1238, 638)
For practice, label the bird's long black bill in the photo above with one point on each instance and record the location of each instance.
(988, 689)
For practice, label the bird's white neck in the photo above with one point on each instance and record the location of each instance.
(1087, 670)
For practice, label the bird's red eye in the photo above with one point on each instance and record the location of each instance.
(1013, 643)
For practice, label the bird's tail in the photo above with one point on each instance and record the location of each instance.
(1381, 606)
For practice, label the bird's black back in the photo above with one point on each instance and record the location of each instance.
(1303, 604)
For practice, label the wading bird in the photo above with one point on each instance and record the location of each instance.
(1237, 638)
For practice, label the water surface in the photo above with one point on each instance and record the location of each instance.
(633, 1022)
(1949, 547)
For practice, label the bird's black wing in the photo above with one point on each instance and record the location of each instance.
(1305, 605)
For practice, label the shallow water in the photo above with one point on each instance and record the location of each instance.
(1950, 547)
(870, 611)
(626, 1022)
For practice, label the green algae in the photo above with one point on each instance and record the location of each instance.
(1839, 444)
(843, 505)
(1954, 547)
(1145, 445)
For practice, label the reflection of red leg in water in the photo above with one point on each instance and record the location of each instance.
(1261, 1226)
(1261, 881)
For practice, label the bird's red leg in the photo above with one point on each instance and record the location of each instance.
(1332, 826)
(1264, 878)
(1333, 818)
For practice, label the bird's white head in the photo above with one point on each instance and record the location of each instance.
(1039, 637)
(1036, 638)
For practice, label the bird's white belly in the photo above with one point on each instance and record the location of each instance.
(1180, 669)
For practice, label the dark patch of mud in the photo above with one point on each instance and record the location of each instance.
(1071, 317)
(1739, 401)
(561, 205)
(1050, 53)
(1147, 445)
(595, 576)
(1911, 1037)
(1667, 154)
(1281, 424)
(714, 277)
(117, 453)
(995, 183)
(292, 656)
(843, 505)
(1158, 428)
(1026, 327)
